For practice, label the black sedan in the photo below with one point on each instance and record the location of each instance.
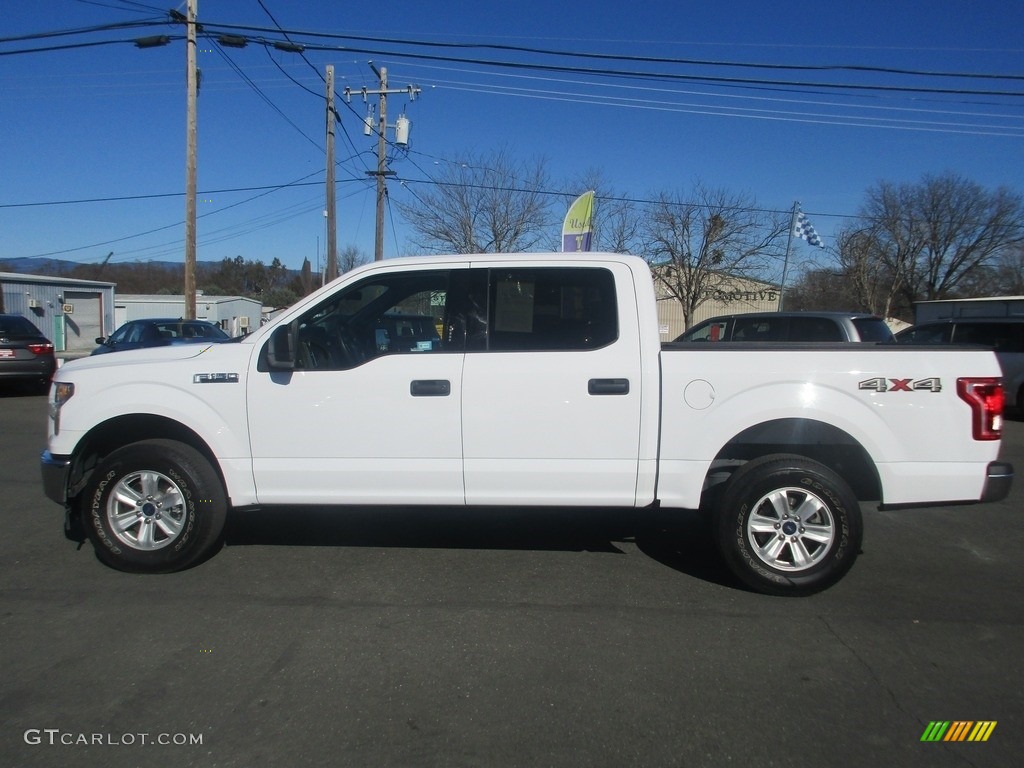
(26, 355)
(160, 332)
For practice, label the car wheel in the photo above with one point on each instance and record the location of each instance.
(787, 525)
(154, 506)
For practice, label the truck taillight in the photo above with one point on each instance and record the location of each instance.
(987, 400)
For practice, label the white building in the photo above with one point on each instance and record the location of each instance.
(237, 315)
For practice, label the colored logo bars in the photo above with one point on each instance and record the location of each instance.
(958, 730)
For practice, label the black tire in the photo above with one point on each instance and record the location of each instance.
(153, 507)
(788, 526)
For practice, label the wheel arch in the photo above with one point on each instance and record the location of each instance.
(120, 431)
(810, 438)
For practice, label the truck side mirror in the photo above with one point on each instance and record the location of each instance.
(281, 347)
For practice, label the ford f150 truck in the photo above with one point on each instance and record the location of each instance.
(530, 379)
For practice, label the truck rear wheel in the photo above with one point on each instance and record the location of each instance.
(154, 506)
(787, 525)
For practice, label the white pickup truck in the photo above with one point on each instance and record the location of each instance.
(529, 379)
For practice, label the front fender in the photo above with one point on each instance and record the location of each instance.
(183, 392)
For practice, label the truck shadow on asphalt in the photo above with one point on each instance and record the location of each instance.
(681, 540)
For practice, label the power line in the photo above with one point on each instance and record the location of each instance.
(614, 57)
(83, 30)
(75, 46)
(263, 96)
(289, 36)
(750, 113)
(125, 5)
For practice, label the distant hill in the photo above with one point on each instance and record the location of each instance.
(35, 265)
(275, 285)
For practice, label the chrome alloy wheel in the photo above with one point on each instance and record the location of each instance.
(146, 510)
(790, 529)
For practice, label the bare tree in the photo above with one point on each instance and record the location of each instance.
(871, 285)
(820, 289)
(350, 258)
(482, 204)
(932, 236)
(707, 239)
(1008, 277)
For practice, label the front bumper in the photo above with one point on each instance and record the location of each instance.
(55, 471)
(998, 481)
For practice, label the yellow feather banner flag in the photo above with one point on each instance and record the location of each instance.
(576, 229)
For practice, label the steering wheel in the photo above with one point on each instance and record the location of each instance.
(313, 350)
(349, 348)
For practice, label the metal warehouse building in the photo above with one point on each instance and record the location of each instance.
(237, 315)
(70, 312)
(987, 307)
(732, 296)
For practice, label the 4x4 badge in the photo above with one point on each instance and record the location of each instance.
(901, 385)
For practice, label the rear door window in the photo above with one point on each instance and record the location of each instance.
(814, 329)
(759, 328)
(540, 308)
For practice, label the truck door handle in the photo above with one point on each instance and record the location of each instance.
(430, 388)
(608, 387)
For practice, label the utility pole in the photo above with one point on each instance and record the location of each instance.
(191, 79)
(378, 241)
(331, 212)
(401, 139)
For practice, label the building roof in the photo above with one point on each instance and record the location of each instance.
(167, 297)
(965, 301)
(18, 277)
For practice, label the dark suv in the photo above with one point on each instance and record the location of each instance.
(1005, 336)
(791, 326)
(25, 354)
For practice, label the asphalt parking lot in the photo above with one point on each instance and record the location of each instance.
(416, 637)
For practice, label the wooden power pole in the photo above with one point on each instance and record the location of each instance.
(191, 80)
(382, 171)
(331, 210)
(378, 242)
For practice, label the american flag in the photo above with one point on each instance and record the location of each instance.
(805, 229)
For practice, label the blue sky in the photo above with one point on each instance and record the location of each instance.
(108, 121)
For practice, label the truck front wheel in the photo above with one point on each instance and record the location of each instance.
(154, 506)
(787, 525)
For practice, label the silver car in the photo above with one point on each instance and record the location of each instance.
(791, 327)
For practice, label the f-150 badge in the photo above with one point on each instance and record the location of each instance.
(901, 385)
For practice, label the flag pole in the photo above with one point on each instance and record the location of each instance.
(789, 247)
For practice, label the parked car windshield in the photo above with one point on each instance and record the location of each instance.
(183, 329)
